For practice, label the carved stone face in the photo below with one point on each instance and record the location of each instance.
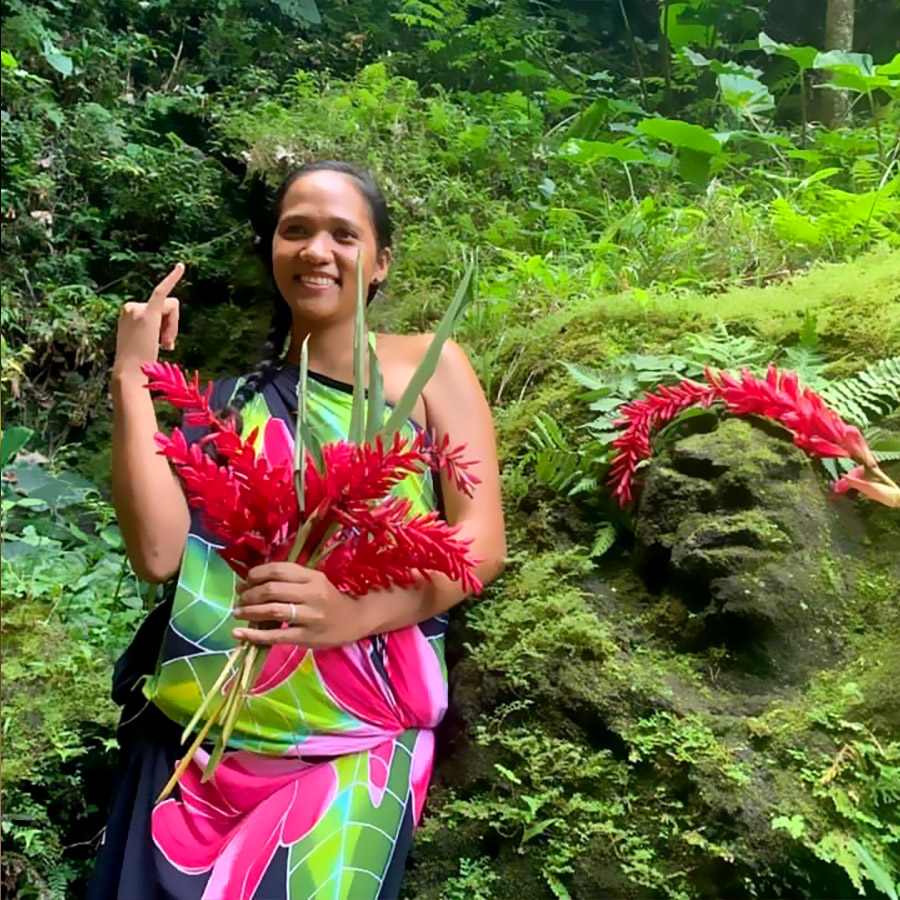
(737, 530)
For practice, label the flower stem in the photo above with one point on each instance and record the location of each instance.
(192, 750)
(234, 659)
(237, 694)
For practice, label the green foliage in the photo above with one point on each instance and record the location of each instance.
(869, 395)
(622, 203)
(533, 619)
(474, 882)
(70, 605)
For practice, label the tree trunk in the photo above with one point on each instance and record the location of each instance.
(838, 36)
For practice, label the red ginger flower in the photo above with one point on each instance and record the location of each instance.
(251, 504)
(399, 553)
(873, 484)
(642, 418)
(442, 458)
(168, 379)
(818, 430)
(360, 472)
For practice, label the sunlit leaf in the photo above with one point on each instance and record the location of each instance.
(889, 68)
(682, 134)
(586, 152)
(11, 442)
(803, 55)
(746, 96)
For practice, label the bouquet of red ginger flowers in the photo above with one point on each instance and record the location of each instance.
(333, 512)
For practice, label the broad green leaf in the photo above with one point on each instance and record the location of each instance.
(889, 68)
(693, 166)
(843, 60)
(357, 429)
(7, 60)
(590, 151)
(682, 33)
(300, 10)
(682, 134)
(590, 120)
(746, 96)
(821, 175)
(404, 408)
(804, 56)
(375, 411)
(11, 442)
(851, 71)
(847, 79)
(58, 60)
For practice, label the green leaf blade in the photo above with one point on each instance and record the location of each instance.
(423, 373)
(376, 405)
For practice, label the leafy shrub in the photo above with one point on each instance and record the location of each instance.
(70, 604)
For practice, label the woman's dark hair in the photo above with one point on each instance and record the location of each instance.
(280, 325)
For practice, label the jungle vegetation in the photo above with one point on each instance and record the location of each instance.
(652, 187)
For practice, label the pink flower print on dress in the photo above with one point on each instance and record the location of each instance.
(233, 824)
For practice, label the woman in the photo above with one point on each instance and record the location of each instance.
(326, 771)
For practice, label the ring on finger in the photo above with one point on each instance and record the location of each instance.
(293, 616)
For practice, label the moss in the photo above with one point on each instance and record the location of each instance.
(53, 687)
(856, 305)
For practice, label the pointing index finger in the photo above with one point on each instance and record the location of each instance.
(161, 291)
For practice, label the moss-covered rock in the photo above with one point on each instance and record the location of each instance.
(737, 531)
(714, 717)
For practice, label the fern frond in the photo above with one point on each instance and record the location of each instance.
(604, 539)
(725, 350)
(865, 176)
(867, 396)
(793, 226)
(556, 465)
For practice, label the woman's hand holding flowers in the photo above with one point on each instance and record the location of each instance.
(314, 612)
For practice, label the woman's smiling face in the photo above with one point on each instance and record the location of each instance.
(324, 223)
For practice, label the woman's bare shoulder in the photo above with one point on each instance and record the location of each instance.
(404, 348)
(410, 349)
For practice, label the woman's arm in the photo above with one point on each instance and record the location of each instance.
(149, 503)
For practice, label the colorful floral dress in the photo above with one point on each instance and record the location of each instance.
(330, 758)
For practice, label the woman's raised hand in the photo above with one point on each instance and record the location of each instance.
(145, 327)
